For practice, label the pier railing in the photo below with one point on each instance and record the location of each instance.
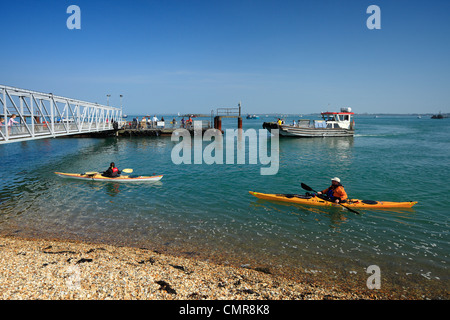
(29, 115)
(229, 112)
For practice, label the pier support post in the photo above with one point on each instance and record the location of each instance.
(218, 123)
(239, 122)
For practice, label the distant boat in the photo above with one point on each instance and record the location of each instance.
(124, 116)
(252, 116)
(333, 124)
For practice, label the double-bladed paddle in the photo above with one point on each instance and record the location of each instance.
(308, 188)
(92, 173)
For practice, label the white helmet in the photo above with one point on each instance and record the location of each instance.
(336, 179)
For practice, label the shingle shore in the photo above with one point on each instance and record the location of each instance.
(56, 269)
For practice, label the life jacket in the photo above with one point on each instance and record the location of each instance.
(332, 192)
(115, 171)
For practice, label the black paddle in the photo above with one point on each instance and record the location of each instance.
(308, 188)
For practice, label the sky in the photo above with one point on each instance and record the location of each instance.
(193, 56)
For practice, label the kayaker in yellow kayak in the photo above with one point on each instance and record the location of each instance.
(336, 191)
(112, 171)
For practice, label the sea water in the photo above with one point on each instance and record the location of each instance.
(206, 211)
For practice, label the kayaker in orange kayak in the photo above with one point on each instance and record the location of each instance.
(336, 191)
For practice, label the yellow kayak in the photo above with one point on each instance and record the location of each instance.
(316, 201)
(98, 177)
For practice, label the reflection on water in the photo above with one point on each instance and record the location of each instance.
(112, 189)
(336, 216)
(335, 149)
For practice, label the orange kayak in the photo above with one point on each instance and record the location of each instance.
(316, 201)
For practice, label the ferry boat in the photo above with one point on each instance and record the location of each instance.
(333, 124)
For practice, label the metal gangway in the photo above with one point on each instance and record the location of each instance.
(37, 115)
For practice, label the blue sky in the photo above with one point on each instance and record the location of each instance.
(194, 56)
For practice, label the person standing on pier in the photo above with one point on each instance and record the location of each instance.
(143, 123)
(11, 122)
(154, 120)
(189, 122)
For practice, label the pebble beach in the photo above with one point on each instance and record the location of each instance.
(33, 269)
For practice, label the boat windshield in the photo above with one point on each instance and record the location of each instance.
(344, 117)
(336, 117)
(329, 117)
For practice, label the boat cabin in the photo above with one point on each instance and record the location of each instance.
(330, 120)
(336, 120)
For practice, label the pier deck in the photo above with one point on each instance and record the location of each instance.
(159, 129)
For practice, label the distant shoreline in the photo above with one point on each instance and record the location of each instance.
(244, 114)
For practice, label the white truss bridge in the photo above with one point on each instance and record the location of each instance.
(43, 115)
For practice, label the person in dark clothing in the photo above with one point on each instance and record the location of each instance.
(112, 171)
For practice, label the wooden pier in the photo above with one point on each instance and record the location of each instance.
(227, 113)
(126, 130)
(138, 129)
(41, 115)
(155, 132)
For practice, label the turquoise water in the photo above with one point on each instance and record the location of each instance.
(206, 211)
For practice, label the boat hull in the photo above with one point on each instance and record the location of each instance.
(306, 132)
(316, 201)
(99, 177)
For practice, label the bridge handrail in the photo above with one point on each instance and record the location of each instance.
(42, 115)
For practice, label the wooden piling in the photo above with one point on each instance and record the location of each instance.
(218, 123)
